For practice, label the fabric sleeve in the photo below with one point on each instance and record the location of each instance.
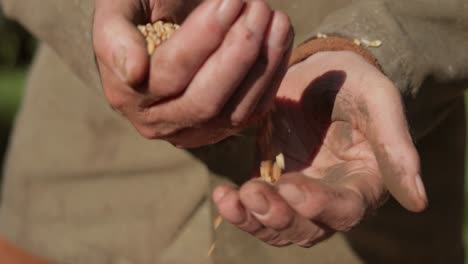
(66, 26)
(417, 39)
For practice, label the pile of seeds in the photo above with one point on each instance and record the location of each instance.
(155, 34)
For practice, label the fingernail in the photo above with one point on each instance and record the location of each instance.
(219, 193)
(120, 60)
(258, 204)
(218, 196)
(228, 11)
(420, 188)
(279, 36)
(291, 193)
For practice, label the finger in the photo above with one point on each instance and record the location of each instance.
(175, 63)
(259, 198)
(120, 97)
(338, 208)
(271, 237)
(118, 43)
(270, 67)
(175, 11)
(231, 209)
(227, 201)
(274, 213)
(219, 77)
(230, 64)
(267, 102)
(395, 152)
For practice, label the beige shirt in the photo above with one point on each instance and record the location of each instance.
(83, 187)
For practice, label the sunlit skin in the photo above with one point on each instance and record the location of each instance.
(339, 120)
(215, 76)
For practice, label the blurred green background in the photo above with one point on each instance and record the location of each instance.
(16, 52)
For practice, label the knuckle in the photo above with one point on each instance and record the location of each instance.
(204, 111)
(115, 99)
(268, 235)
(245, 36)
(164, 80)
(175, 55)
(213, 29)
(162, 84)
(254, 186)
(316, 205)
(251, 226)
(208, 112)
(312, 239)
(151, 127)
(243, 42)
(318, 237)
(136, 72)
(248, 188)
(347, 223)
(282, 218)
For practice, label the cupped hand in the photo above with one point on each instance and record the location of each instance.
(341, 127)
(216, 75)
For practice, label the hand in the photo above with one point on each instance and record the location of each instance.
(340, 124)
(216, 75)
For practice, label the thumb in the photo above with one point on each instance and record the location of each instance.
(118, 44)
(392, 143)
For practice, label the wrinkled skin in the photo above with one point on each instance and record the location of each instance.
(340, 124)
(339, 121)
(216, 75)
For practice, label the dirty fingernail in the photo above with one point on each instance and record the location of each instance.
(228, 11)
(120, 60)
(291, 193)
(258, 204)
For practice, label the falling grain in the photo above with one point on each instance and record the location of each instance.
(212, 248)
(280, 161)
(217, 222)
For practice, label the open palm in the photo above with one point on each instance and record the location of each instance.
(339, 123)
